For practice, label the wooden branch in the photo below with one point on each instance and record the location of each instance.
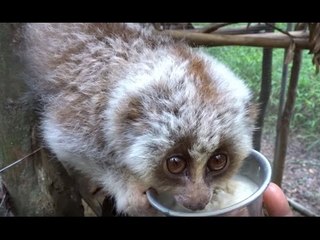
(232, 31)
(279, 35)
(274, 40)
(284, 77)
(298, 207)
(244, 30)
(213, 27)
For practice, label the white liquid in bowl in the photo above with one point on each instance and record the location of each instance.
(240, 189)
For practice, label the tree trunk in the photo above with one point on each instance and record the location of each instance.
(38, 186)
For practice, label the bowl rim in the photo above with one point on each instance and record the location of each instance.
(266, 169)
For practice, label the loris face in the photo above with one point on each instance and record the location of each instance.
(194, 176)
(187, 130)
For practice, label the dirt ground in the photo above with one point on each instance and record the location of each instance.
(301, 180)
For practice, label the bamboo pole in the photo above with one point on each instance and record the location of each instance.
(272, 40)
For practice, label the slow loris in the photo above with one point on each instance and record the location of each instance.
(134, 109)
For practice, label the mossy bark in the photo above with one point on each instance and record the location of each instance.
(39, 185)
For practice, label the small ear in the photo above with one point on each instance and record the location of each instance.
(134, 111)
(132, 116)
(131, 110)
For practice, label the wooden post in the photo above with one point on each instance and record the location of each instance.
(38, 186)
(284, 120)
(283, 127)
(265, 92)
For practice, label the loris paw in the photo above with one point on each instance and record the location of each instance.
(135, 203)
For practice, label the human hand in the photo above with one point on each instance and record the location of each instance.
(276, 202)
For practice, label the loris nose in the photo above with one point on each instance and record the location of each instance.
(195, 206)
(196, 202)
(195, 196)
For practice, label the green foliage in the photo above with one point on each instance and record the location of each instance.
(246, 62)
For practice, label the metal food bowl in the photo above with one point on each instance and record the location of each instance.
(256, 169)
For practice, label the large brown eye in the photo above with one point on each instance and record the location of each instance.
(218, 161)
(176, 165)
